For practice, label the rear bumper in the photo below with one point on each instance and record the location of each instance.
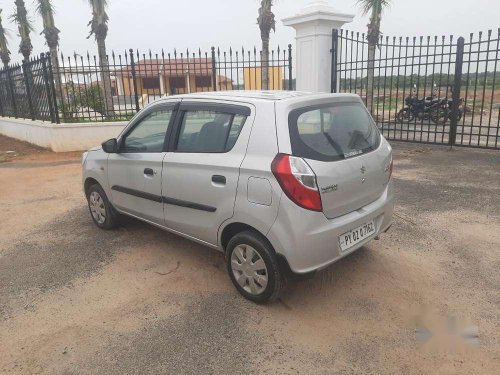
(309, 241)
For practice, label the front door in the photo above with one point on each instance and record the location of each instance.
(201, 169)
(135, 172)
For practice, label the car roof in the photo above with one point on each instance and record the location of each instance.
(257, 96)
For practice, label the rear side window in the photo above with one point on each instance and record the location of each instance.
(209, 131)
(332, 132)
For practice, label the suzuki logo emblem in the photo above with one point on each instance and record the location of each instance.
(363, 169)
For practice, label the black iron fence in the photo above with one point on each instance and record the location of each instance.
(80, 88)
(27, 90)
(425, 89)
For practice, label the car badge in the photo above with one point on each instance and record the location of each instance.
(363, 169)
(329, 189)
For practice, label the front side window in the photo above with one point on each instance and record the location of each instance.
(149, 134)
(332, 132)
(209, 131)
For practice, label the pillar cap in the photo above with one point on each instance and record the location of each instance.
(318, 10)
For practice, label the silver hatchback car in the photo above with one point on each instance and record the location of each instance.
(284, 183)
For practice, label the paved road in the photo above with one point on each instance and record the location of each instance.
(77, 300)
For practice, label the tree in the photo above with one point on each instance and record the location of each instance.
(25, 28)
(266, 23)
(45, 9)
(375, 9)
(4, 45)
(99, 28)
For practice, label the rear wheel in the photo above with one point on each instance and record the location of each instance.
(253, 267)
(405, 115)
(103, 214)
(439, 116)
(459, 115)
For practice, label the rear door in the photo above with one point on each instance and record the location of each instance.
(201, 169)
(342, 145)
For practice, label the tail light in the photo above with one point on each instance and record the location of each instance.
(297, 180)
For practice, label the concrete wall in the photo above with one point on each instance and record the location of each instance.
(60, 137)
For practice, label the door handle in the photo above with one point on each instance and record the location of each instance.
(149, 172)
(218, 179)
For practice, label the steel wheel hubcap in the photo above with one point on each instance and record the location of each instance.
(97, 207)
(249, 269)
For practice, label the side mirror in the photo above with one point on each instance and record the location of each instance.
(110, 146)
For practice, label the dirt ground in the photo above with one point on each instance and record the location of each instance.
(424, 299)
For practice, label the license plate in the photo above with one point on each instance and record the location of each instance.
(351, 238)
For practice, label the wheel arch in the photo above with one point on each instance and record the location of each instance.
(89, 181)
(234, 228)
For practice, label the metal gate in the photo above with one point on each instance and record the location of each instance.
(27, 90)
(439, 90)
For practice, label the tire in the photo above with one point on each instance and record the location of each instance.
(420, 116)
(244, 254)
(439, 116)
(405, 115)
(459, 115)
(102, 212)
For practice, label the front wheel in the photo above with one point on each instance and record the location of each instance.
(253, 267)
(102, 212)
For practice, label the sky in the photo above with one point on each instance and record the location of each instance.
(193, 24)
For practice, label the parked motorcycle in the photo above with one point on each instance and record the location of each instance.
(429, 108)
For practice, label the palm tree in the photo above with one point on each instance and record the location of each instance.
(45, 9)
(25, 28)
(99, 28)
(4, 45)
(266, 23)
(375, 7)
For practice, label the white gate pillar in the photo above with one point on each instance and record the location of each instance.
(313, 26)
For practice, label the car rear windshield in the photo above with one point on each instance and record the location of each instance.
(332, 132)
